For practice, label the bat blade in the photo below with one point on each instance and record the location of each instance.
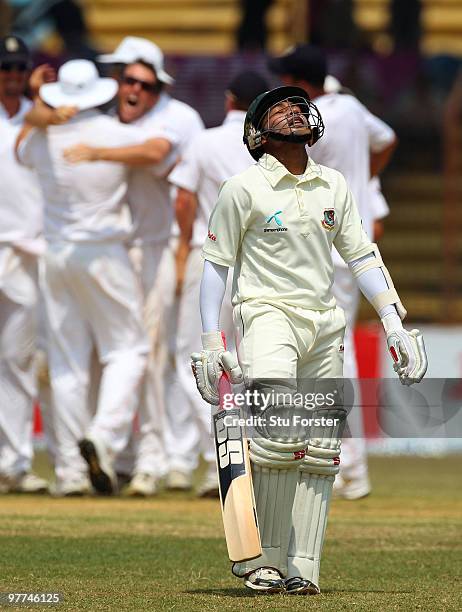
(235, 482)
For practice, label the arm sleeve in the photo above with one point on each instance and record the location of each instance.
(228, 224)
(25, 152)
(351, 240)
(213, 286)
(379, 206)
(187, 173)
(372, 283)
(380, 134)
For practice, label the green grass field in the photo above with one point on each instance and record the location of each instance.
(399, 549)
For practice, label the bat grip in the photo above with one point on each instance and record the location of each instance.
(224, 386)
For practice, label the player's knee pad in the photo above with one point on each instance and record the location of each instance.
(279, 440)
(322, 454)
(279, 455)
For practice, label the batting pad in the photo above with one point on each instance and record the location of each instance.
(274, 496)
(309, 520)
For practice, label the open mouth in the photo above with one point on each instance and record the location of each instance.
(296, 122)
(132, 100)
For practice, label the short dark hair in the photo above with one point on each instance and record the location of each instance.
(245, 87)
(305, 62)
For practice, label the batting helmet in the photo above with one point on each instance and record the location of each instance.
(298, 109)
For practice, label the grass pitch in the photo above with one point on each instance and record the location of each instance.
(399, 549)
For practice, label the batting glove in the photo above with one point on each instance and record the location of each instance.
(210, 363)
(407, 350)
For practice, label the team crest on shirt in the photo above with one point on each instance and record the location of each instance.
(328, 222)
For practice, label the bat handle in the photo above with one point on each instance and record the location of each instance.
(224, 388)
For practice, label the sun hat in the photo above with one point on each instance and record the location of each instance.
(133, 49)
(79, 85)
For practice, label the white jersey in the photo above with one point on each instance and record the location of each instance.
(278, 230)
(351, 133)
(212, 157)
(83, 202)
(149, 195)
(21, 205)
(24, 106)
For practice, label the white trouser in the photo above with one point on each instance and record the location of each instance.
(18, 322)
(354, 452)
(188, 341)
(92, 299)
(181, 431)
(147, 446)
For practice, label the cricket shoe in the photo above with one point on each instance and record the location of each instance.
(265, 580)
(74, 487)
(142, 485)
(177, 480)
(26, 482)
(208, 489)
(351, 488)
(100, 469)
(300, 586)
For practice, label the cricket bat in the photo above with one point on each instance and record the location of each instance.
(235, 481)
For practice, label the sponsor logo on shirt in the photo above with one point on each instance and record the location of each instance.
(328, 222)
(275, 217)
(212, 236)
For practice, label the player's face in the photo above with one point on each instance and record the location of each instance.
(137, 92)
(287, 118)
(13, 78)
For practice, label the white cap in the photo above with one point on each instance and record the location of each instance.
(79, 85)
(133, 49)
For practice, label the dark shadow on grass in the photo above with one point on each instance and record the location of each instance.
(366, 591)
(232, 592)
(240, 592)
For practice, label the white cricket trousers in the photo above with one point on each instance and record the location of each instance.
(293, 471)
(149, 447)
(93, 299)
(354, 451)
(18, 328)
(194, 428)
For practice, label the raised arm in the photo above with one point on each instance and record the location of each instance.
(152, 151)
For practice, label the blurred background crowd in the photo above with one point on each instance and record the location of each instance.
(402, 59)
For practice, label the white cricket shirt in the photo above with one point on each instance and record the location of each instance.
(149, 195)
(278, 230)
(351, 132)
(83, 202)
(21, 204)
(24, 107)
(212, 157)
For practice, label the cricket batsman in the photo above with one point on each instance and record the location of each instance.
(276, 224)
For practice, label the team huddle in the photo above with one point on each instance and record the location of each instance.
(144, 212)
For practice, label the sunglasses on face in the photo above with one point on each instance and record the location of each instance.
(145, 86)
(14, 66)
